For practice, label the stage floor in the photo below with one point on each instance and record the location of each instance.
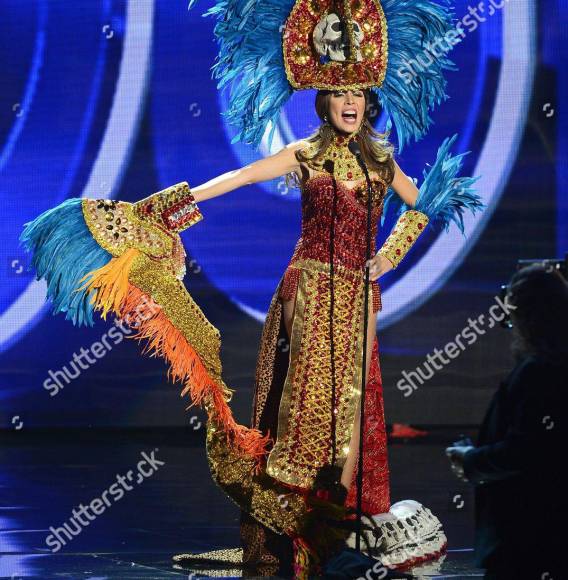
(173, 506)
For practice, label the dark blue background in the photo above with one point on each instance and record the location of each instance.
(63, 64)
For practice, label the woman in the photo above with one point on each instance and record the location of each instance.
(127, 259)
(344, 116)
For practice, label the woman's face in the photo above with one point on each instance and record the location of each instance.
(346, 110)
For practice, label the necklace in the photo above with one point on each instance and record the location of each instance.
(338, 160)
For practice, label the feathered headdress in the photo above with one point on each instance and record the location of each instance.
(270, 48)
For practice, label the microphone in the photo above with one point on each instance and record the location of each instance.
(353, 146)
(328, 166)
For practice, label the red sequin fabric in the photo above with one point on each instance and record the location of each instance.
(348, 228)
(376, 491)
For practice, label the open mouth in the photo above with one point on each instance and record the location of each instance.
(349, 116)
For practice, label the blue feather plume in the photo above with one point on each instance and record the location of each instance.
(411, 90)
(63, 251)
(250, 61)
(443, 196)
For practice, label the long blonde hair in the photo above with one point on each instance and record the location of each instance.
(376, 149)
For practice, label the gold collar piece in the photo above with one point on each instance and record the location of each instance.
(338, 160)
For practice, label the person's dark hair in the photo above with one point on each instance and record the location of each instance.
(376, 149)
(540, 315)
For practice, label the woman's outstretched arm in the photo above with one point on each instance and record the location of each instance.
(404, 186)
(265, 169)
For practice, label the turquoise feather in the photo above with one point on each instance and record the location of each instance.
(250, 62)
(443, 196)
(412, 25)
(63, 251)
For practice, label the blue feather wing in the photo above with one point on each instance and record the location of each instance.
(63, 251)
(443, 196)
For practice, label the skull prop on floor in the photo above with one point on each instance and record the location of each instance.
(331, 40)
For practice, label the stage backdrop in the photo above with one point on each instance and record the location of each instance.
(115, 99)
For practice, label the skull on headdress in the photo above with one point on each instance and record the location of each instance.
(331, 38)
(335, 44)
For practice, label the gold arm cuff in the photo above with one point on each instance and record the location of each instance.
(405, 232)
(173, 208)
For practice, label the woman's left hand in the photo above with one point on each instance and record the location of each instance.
(378, 266)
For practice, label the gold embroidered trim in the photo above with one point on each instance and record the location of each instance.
(303, 443)
(268, 501)
(116, 228)
(182, 311)
(266, 356)
(345, 164)
(151, 225)
(173, 208)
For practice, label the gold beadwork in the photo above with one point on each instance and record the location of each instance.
(182, 311)
(352, 57)
(259, 495)
(224, 556)
(303, 443)
(150, 225)
(403, 236)
(173, 208)
(116, 229)
(337, 157)
(264, 373)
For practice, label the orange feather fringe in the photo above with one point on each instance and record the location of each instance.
(112, 292)
(166, 341)
(108, 285)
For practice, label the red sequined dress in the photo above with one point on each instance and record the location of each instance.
(295, 377)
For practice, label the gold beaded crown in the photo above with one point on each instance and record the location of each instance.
(335, 44)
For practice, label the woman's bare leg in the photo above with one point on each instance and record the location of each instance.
(350, 462)
(289, 307)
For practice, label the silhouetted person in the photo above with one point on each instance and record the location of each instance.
(519, 466)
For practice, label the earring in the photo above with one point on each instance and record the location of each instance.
(325, 118)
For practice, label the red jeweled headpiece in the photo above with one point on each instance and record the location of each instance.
(335, 44)
(270, 48)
